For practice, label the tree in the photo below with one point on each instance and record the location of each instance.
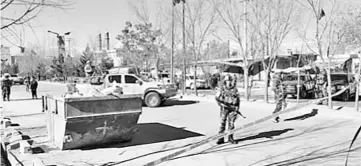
(139, 42)
(106, 63)
(200, 21)
(19, 14)
(329, 35)
(234, 17)
(272, 20)
(161, 24)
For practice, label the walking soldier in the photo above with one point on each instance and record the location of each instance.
(6, 84)
(280, 97)
(228, 99)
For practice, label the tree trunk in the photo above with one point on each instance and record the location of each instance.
(156, 66)
(266, 85)
(246, 83)
(358, 79)
(195, 79)
(329, 84)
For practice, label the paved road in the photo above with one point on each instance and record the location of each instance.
(258, 94)
(180, 122)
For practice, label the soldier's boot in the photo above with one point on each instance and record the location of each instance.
(231, 139)
(220, 141)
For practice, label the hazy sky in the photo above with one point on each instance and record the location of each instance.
(87, 18)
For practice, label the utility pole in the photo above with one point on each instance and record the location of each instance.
(184, 50)
(172, 54)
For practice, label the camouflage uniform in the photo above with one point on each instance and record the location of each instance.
(280, 97)
(322, 87)
(6, 88)
(228, 99)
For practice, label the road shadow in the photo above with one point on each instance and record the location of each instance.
(149, 133)
(24, 99)
(170, 103)
(268, 134)
(305, 116)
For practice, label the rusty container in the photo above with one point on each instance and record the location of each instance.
(90, 121)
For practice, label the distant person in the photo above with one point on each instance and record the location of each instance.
(88, 69)
(6, 84)
(27, 83)
(34, 87)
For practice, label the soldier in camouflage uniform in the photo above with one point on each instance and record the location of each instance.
(280, 97)
(322, 86)
(228, 99)
(6, 84)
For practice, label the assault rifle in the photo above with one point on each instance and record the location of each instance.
(220, 103)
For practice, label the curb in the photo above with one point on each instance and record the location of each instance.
(12, 139)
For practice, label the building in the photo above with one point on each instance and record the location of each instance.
(5, 55)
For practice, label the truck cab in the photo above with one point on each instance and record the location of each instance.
(153, 94)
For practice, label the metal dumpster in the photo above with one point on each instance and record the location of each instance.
(88, 121)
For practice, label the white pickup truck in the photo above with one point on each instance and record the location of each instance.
(153, 94)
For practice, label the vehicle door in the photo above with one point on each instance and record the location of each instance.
(114, 79)
(132, 85)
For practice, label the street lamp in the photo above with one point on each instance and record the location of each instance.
(67, 33)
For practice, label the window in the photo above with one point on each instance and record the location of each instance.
(115, 78)
(130, 79)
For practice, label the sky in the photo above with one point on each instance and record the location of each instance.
(88, 18)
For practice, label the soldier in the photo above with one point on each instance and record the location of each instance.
(322, 86)
(228, 99)
(6, 84)
(280, 97)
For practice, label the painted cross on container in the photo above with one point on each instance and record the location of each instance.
(104, 128)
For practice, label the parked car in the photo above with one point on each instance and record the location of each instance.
(341, 80)
(307, 85)
(201, 83)
(17, 79)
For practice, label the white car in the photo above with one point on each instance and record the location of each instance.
(200, 82)
(154, 93)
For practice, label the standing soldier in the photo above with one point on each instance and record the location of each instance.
(280, 96)
(322, 86)
(6, 84)
(228, 99)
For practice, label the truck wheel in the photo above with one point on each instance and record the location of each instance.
(346, 96)
(303, 93)
(152, 99)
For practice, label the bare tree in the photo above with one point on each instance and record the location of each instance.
(272, 20)
(329, 35)
(17, 14)
(200, 21)
(234, 16)
(161, 23)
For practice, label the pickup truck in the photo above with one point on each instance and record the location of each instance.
(200, 82)
(153, 93)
